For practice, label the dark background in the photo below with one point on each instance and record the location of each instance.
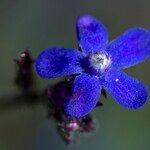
(38, 24)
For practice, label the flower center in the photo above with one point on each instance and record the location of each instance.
(99, 62)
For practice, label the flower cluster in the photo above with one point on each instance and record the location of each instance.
(98, 66)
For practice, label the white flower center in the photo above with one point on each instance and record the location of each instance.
(100, 61)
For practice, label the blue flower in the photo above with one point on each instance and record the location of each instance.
(99, 65)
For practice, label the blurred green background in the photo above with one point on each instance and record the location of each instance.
(38, 24)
